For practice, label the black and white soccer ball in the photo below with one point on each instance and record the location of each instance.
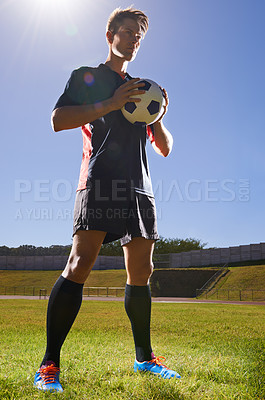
(149, 109)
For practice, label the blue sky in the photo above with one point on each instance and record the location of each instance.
(208, 54)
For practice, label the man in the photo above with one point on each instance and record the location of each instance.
(114, 196)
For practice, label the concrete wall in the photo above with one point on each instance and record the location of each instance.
(54, 262)
(194, 258)
(179, 283)
(197, 258)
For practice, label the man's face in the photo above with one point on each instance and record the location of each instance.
(126, 41)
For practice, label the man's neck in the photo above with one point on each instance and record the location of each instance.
(116, 64)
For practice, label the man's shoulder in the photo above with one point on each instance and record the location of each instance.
(101, 68)
(85, 68)
(92, 84)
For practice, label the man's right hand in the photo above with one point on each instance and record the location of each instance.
(126, 93)
(70, 117)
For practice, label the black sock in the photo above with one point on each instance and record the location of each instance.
(64, 304)
(138, 307)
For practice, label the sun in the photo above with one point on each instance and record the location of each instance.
(48, 3)
(52, 7)
(50, 13)
(54, 4)
(42, 19)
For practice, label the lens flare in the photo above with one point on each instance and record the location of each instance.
(89, 79)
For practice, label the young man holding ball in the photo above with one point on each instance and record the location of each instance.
(114, 197)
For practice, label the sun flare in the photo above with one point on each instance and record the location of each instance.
(53, 13)
(52, 7)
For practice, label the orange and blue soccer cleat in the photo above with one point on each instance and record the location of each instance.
(156, 367)
(47, 378)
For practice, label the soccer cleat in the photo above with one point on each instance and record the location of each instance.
(47, 378)
(156, 367)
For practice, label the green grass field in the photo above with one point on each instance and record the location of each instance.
(27, 280)
(249, 279)
(218, 349)
(48, 278)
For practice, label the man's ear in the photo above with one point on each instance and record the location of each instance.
(109, 36)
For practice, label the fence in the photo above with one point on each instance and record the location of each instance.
(22, 290)
(232, 294)
(217, 294)
(101, 291)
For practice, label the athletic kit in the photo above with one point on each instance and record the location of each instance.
(114, 192)
(114, 195)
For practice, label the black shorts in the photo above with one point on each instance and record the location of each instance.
(124, 220)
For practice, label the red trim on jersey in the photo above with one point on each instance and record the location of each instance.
(87, 150)
(122, 75)
(150, 133)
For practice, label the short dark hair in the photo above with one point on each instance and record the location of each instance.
(118, 15)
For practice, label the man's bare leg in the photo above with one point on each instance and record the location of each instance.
(84, 252)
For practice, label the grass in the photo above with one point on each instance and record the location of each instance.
(243, 278)
(249, 277)
(219, 350)
(238, 277)
(28, 278)
(250, 280)
(46, 279)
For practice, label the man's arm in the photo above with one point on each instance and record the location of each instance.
(69, 117)
(163, 142)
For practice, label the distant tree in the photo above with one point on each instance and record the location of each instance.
(111, 249)
(59, 250)
(162, 246)
(29, 250)
(24, 250)
(4, 251)
(166, 246)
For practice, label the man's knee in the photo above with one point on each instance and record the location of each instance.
(148, 270)
(78, 268)
(140, 275)
(85, 249)
(81, 262)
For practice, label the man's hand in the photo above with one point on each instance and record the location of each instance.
(69, 117)
(163, 139)
(165, 106)
(126, 93)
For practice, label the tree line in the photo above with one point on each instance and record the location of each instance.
(162, 246)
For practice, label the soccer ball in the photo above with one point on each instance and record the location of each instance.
(149, 109)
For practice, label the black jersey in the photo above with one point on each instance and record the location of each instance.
(114, 154)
